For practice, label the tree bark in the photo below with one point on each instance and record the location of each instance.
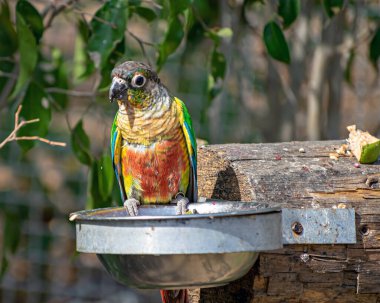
(279, 175)
(314, 94)
(334, 77)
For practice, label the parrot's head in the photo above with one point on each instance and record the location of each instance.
(134, 84)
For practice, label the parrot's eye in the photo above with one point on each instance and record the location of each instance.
(138, 81)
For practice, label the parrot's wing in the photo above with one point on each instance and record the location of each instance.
(116, 156)
(191, 144)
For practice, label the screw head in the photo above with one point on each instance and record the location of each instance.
(364, 230)
(297, 228)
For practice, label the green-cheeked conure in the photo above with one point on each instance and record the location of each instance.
(153, 145)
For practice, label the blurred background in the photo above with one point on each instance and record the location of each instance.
(249, 71)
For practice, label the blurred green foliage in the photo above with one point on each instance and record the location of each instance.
(37, 76)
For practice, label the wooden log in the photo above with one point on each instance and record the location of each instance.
(280, 175)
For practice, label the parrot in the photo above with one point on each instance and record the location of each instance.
(153, 146)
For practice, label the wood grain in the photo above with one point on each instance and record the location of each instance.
(279, 174)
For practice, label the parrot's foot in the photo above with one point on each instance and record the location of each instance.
(131, 206)
(181, 202)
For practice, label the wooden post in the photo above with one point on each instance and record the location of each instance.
(280, 175)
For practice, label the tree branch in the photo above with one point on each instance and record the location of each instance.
(12, 77)
(78, 11)
(18, 125)
(36, 138)
(68, 92)
(52, 11)
(141, 44)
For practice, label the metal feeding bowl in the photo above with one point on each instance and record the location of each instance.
(216, 244)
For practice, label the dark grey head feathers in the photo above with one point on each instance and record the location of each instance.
(127, 69)
(135, 82)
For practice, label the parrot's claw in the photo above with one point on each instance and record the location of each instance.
(181, 202)
(131, 205)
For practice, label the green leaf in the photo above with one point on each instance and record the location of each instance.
(35, 105)
(252, 2)
(4, 265)
(81, 144)
(218, 64)
(13, 216)
(178, 7)
(224, 32)
(116, 195)
(94, 196)
(172, 40)
(8, 35)
(370, 153)
(134, 2)
(83, 66)
(113, 59)
(189, 20)
(217, 72)
(7, 67)
(84, 29)
(11, 237)
(275, 42)
(332, 7)
(146, 13)
(108, 28)
(217, 35)
(60, 77)
(12, 231)
(4, 9)
(32, 18)
(374, 48)
(8, 46)
(175, 31)
(210, 82)
(28, 53)
(349, 66)
(105, 177)
(288, 10)
(212, 89)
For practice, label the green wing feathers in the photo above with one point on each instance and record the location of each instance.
(116, 157)
(191, 143)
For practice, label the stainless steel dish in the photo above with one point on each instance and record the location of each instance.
(216, 244)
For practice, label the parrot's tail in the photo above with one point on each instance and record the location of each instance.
(174, 296)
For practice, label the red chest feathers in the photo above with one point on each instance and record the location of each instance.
(155, 174)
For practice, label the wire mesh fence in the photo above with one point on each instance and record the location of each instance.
(37, 193)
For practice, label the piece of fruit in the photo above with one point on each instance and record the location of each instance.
(364, 146)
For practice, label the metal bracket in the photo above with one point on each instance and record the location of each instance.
(318, 226)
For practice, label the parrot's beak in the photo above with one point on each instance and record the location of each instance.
(118, 89)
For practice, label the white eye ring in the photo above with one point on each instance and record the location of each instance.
(138, 81)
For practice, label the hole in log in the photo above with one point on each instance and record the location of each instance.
(364, 230)
(372, 182)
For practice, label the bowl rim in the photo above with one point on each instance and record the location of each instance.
(99, 214)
